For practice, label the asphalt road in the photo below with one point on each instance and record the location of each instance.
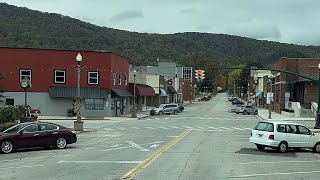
(203, 142)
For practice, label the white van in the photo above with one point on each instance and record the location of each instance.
(284, 135)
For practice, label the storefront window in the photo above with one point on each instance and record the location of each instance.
(94, 104)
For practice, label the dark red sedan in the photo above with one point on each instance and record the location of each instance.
(36, 134)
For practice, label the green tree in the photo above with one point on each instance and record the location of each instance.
(2, 77)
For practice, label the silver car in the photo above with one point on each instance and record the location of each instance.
(166, 109)
(246, 110)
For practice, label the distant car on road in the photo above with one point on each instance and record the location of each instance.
(205, 98)
(165, 109)
(235, 102)
(34, 135)
(284, 135)
(246, 110)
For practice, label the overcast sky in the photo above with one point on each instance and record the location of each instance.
(289, 21)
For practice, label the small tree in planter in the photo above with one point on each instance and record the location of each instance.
(9, 115)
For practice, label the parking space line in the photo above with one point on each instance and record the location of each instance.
(19, 167)
(276, 162)
(273, 174)
(124, 147)
(101, 162)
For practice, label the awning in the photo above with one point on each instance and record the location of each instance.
(172, 90)
(120, 93)
(163, 92)
(142, 90)
(90, 92)
(258, 94)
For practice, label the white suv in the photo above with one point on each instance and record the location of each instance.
(284, 135)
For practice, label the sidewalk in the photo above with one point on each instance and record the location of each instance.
(140, 115)
(264, 114)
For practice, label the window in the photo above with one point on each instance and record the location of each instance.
(303, 130)
(25, 73)
(31, 128)
(59, 76)
(47, 127)
(94, 104)
(292, 129)
(114, 78)
(281, 128)
(93, 77)
(264, 126)
(120, 79)
(10, 101)
(125, 80)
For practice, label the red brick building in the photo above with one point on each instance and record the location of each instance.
(297, 89)
(53, 73)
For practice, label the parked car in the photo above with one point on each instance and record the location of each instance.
(284, 135)
(181, 107)
(205, 98)
(235, 102)
(246, 110)
(165, 109)
(34, 135)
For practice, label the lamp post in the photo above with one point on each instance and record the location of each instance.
(270, 90)
(78, 124)
(255, 90)
(317, 125)
(133, 113)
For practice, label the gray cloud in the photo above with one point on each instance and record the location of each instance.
(125, 15)
(189, 11)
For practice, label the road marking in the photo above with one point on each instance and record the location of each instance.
(135, 128)
(188, 127)
(237, 128)
(19, 167)
(163, 127)
(101, 162)
(137, 146)
(9, 160)
(108, 129)
(199, 127)
(122, 128)
(154, 145)
(175, 127)
(165, 118)
(273, 174)
(277, 162)
(124, 147)
(150, 128)
(153, 157)
(173, 136)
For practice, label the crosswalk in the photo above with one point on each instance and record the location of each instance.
(176, 117)
(195, 128)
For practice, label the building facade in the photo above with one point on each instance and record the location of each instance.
(292, 88)
(53, 73)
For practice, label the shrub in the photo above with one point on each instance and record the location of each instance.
(6, 125)
(11, 113)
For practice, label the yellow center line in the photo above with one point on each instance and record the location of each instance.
(133, 172)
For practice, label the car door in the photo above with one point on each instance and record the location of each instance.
(48, 134)
(307, 139)
(293, 137)
(28, 136)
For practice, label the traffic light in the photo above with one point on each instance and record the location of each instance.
(199, 74)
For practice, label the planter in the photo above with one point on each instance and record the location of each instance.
(288, 114)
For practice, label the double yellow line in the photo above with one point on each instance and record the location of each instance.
(153, 157)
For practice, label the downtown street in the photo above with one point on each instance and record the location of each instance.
(205, 141)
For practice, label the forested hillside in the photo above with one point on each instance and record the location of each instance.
(22, 27)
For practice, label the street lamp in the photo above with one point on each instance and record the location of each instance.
(133, 112)
(270, 89)
(255, 90)
(317, 126)
(78, 124)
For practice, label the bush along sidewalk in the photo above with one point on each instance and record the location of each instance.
(9, 115)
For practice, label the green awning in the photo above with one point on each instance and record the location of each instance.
(120, 93)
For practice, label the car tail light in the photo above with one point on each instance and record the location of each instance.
(271, 137)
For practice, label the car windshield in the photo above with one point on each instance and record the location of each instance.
(12, 129)
(160, 106)
(264, 126)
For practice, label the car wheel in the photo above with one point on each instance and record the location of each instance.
(160, 113)
(260, 147)
(316, 148)
(283, 147)
(244, 112)
(61, 143)
(175, 112)
(256, 113)
(6, 146)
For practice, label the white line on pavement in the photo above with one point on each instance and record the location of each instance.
(150, 128)
(175, 127)
(124, 147)
(19, 167)
(101, 162)
(137, 146)
(277, 162)
(122, 128)
(273, 174)
(163, 127)
(135, 128)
